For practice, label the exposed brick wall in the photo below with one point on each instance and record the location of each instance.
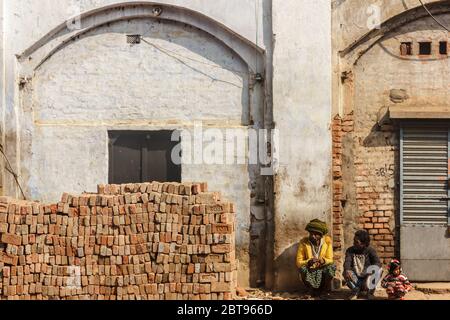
(339, 127)
(375, 183)
(142, 241)
(374, 197)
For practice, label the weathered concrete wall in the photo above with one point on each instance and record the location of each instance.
(371, 150)
(24, 24)
(80, 93)
(302, 107)
(246, 22)
(99, 83)
(2, 91)
(352, 20)
(302, 102)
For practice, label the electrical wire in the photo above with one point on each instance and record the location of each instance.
(166, 51)
(9, 168)
(256, 33)
(189, 66)
(432, 16)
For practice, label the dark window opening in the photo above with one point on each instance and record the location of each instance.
(142, 156)
(443, 47)
(425, 48)
(406, 49)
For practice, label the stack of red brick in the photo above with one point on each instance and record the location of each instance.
(155, 241)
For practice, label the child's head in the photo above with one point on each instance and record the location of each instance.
(395, 267)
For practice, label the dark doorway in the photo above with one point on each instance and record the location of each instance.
(142, 156)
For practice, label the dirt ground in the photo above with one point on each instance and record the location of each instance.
(258, 294)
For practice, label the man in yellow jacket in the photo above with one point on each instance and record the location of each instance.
(315, 258)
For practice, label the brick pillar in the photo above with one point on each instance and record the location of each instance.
(338, 231)
(341, 127)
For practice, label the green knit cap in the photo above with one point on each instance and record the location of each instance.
(317, 226)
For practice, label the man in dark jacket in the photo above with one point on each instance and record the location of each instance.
(362, 266)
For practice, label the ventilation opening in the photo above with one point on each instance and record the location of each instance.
(443, 47)
(134, 38)
(425, 48)
(406, 49)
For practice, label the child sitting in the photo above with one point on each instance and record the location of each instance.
(396, 283)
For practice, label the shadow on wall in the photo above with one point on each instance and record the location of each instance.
(380, 136)
(287, 270)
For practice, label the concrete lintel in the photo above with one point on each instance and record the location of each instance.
(419, 112)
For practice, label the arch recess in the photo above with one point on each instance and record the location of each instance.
(63, 34)
(359, 47)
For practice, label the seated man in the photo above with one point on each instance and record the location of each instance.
(315, 259)
(362, 266)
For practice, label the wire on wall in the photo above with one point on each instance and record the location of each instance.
(432, 16)
(256, 33)
(167, 51)
(9, 168)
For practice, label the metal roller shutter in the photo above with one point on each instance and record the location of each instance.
(424, 174)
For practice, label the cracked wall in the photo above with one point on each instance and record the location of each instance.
(383, 78)
(100, 83)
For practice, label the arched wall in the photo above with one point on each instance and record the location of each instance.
(378, 77)
(357, 44)
(67, 31)
(354, 20)
(77, 85)
(354, 34)
(101, 81)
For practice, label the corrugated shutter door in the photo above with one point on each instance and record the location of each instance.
(424, 166)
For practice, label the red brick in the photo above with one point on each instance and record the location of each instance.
(379, 214)
(220, 287)
(8, 259)
(221, 248)
(209, 278)
(222, 228)
(12, 239)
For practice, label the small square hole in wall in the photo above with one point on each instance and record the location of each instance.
(425, 48)
(134, 39)
(443, 47)
(406, 49)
